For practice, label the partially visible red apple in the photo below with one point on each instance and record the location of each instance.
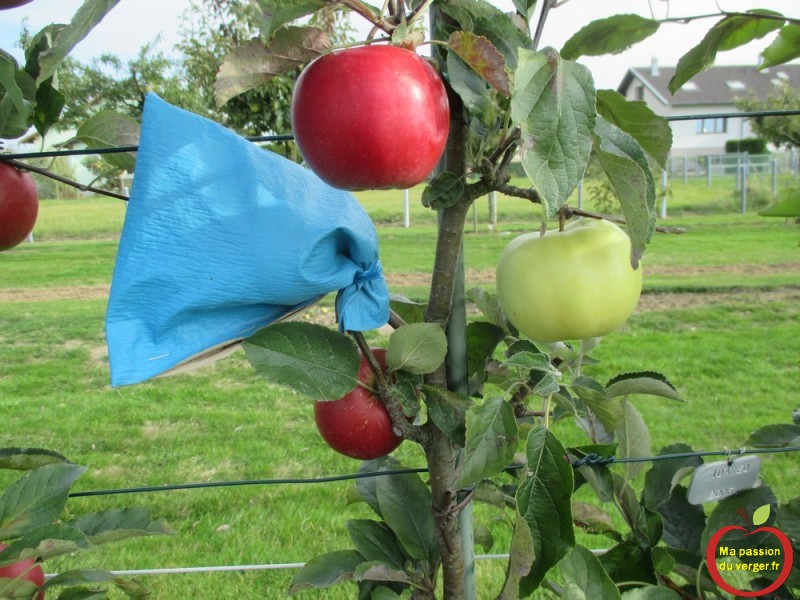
(24, 569)
(4, 4)
(19, 205)
(358, 424)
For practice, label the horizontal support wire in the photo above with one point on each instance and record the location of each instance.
(290, 137)
(589, 459)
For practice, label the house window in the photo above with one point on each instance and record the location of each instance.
(712, 125)
(640, 92)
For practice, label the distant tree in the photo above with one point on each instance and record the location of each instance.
(109, 83)
(782, 131)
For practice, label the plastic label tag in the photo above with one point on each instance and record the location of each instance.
(718, 480)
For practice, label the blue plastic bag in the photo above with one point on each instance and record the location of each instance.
(222, 238)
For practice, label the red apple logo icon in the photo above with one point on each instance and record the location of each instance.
(778, 561)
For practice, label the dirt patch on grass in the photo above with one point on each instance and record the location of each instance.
(78, 292)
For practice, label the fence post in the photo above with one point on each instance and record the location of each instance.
(580, 194)
(406, 210)
(774, 167)
(664, 194)
(743, 179)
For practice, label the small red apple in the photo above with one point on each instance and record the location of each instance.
(372, 117)
(358, 424)
(19, 205)
(713, 569)
(24, 569)
(4, 4)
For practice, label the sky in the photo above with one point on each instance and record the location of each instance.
(133, 23)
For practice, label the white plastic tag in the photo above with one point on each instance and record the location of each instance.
(718, 480)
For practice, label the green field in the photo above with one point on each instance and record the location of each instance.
(720, 317)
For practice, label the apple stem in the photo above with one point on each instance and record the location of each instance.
(399, 420)
(742, 512)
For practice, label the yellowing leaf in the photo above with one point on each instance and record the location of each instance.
(481, 55)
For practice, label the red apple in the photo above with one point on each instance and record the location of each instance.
(372, 117)
(24, 569)
(4, 4)
(358, 424)
(19, 205)
(786, 560)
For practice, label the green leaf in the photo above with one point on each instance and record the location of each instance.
(634, 117)
(274, 14)
(482, 340)
(520, 562)
(449, 411)
(634, 440)
(479, 53)
(405, 504)
(312, 359)
(326, 570)
(109, 129)
(784, 48)
(641, 382)
(36, 499)
(775, 436)
(626, 166)
(49, 104)
(378, 571)
(25, 459)
(645, 525)
(553, 103)
(610, 411)
(664, 475)
(731, 32)
(683, 523)
(492, 437)
(582, 568)
(444, 190)
(525, 8)
(90, 13)
(489, 306)
(609, 36)
(366, 487)
(475, 93)
(787, 519)
(629, 561)
(47, 541)
(651, 592)
(408, 310)
(376, 542)
(761, 515)
(417, 348)
(254, 63)
(118, 524)
(543, 500)
(532, 361)
(15, 109)
(17, 589)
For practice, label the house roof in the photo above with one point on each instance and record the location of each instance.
(718, 85)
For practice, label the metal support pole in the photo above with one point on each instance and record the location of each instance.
(492, 210)
(580, 194)
(664, 194)
(743, 179)
(406, 210)
(774, 166)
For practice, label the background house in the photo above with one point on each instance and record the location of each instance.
(712, 91)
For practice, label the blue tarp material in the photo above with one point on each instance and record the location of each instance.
(222, 238)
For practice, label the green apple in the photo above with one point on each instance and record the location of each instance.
(569, 285)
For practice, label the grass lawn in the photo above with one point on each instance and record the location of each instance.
(720, 317)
